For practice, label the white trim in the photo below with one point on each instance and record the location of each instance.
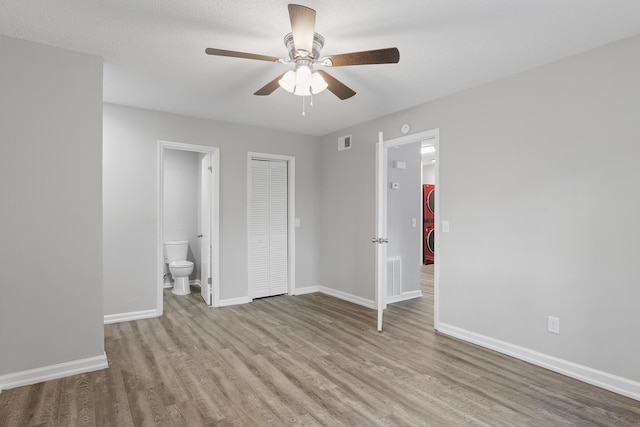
(52, 372)
(433, 134)
(291, 214)
(215, 216)
(348, 297)
(381, 211)
(128, 317)
(355, 299)
(404, 296)
(234, 301)
(605, 380)
(308, 290)
(436, 221)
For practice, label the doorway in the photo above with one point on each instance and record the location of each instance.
(270, 224)
(202, 233)
(383, 186)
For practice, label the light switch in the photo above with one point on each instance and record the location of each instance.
(297, 222)
(445, 226)
(414, 222)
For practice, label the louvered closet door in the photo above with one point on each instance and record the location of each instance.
(268, 269)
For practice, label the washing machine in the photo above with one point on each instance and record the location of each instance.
(428, 232)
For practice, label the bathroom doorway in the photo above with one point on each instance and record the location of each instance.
(188, 209)
(384, 233)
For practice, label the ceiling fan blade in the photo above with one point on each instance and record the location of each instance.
(336, 87)
(270, 87)
(236, 54)
(303, 25)
(379, 56)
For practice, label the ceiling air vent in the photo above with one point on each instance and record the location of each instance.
(344, 142)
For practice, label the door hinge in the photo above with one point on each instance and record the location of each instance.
(209, 282)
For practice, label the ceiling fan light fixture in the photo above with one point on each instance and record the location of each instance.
(303, 76)
(288, 81)
(317, 83)
(302, 90)
(304, 46)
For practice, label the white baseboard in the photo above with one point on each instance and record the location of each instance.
(605, 380)
(127, 317)
(307, 290)
(348, 297)
(404, 296)
(234, 301)
(47, 373)
(338, 294)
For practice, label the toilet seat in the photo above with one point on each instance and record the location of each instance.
(181, 264)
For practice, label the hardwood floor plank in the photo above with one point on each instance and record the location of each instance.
(311, 360)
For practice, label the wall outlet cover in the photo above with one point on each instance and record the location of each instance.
(554, 325)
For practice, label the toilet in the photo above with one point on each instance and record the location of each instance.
(175, 255)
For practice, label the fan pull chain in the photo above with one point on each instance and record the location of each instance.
(311, 100)
(303, 111)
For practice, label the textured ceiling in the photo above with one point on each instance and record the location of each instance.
(154, 56)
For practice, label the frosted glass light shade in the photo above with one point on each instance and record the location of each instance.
(302, 81)
(317, 83)
(288, 81)
(302, 90)
(303, 76)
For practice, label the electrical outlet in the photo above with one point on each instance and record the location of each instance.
(554, 325)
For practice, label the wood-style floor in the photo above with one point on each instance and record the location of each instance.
(307, 360)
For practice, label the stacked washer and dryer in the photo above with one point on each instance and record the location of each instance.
(428, 233)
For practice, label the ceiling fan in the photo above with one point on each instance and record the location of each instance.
(304, 46)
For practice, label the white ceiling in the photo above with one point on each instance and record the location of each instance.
(154, 49)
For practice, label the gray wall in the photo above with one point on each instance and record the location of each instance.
(534, 231)
(181, 202)
(130, 200)
(429, 173)
(347, 197)
(51, 208)
(403, 205)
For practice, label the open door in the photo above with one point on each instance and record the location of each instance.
(380, 240)
(206, 172)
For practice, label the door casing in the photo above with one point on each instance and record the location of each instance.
(381, 208)
(215, 216)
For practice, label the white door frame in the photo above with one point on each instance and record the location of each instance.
(215, 216)
(291, 211)
(431, 135)
(380, 239)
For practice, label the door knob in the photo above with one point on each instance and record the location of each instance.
(199, 236)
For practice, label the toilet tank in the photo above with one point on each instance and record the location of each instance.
(175, 250)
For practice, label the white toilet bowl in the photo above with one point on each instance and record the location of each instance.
(175, 255)
(180, 271)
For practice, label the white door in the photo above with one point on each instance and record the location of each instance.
(380, 238)
(206, 173)
(268, 269)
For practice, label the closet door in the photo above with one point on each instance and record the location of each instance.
(268, 269)
(278, 228)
